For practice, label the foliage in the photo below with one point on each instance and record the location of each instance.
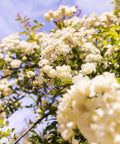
(6, 134)
(117, 7)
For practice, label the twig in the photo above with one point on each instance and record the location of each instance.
(19, 70)
(2, 77)
(25, 132)
(11, 104)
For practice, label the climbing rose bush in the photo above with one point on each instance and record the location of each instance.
(71, 73)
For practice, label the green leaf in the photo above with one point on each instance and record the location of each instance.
(115, 27)
(2, 63)
(105, 42)
(59, 25)
(68, 81)
(112, 33)
(36, 22)
(118, 80)
(13, 129)
(37, 27)
(26, 33)
(33, 132)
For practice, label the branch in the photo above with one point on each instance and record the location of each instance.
(19, 70)
(31, 127)
(11, 104)
(2, 77)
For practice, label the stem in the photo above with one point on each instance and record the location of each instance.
(19, 70)
(25, 132)
(11, 103)
(2, 77)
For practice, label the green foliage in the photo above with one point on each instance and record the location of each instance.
(5, 133)
(117, 7)
(110, 36)
(1, 63)
(59, 24)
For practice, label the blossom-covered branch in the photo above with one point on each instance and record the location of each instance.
(72, 74)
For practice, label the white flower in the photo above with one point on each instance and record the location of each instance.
(88, 68)
(63, 11)
(2, 115)
(47, 68)
(30, 74)
(52, 73)
(63, 72)
(110, 49)
(76, 78)
(1, 55)
(93, 58)
(7, 92)
(15, 63)
(90, 48)
(43, 62)
(97, 116)
(10, 42)
(24, 58)
(41, 79)
(8, 59)
(74, 141)
(57, 15)
(47, 17)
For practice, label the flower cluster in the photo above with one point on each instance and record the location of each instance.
(15, 63)
(92, 106)
(63, 11)
(4, 87)
(5, 92)
(76, 35)
(13, 42)
(2, 114)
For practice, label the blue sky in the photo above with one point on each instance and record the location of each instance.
(35, 9)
